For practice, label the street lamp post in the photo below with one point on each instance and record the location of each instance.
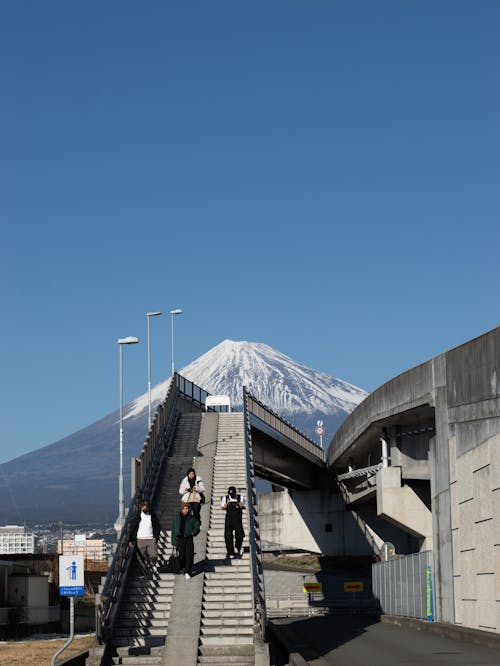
(149, 315)
(121, 503)
(173, 313)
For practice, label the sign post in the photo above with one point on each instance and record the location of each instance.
(353, 586)
(71, 584)
(320, 431)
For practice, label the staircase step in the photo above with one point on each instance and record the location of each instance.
(229, 659)
(235, 621)
(139, 632)
(137, 660)
(135, 607)
(144, 614)
(122, 644)
(144, 623)
(210, 630)
(217, 588)
(239, 576)
(226, 612)
(223, 645)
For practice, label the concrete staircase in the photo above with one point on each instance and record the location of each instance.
(184, 625)
(142, 623)
(208, 620)
(227, 616)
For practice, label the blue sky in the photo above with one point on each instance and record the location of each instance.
(319, 176)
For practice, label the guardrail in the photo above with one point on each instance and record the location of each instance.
(300, 440)
(256, 557)
(140, 478)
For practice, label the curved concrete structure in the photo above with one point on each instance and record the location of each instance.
(422, 453)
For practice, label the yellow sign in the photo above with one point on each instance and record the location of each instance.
(312, 587)
(353, 586)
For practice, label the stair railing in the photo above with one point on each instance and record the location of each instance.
(256, 557)
(191, 392)
(145, 473)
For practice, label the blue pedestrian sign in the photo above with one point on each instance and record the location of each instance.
(71, 583)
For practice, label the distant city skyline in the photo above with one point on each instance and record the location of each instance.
(320, 177)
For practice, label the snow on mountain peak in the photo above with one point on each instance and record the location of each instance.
(278, 381)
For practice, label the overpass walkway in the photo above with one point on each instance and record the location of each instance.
(209, 619)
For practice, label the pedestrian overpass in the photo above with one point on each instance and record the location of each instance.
(219, 616)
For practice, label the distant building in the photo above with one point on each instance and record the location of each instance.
(91, 549)
(15, 540)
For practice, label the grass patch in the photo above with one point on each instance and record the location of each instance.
(41, 650)
(299, 561)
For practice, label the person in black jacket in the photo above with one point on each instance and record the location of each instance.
(233, 504)
(186, 526)
(145, 531)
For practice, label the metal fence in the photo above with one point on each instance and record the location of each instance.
(403, 585)
(191, 392)
(256, 557)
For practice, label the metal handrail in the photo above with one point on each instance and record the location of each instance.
(277, 422)
(191, 391)
(147, 468)
(356, 473)
(118, 572)
(256, 556)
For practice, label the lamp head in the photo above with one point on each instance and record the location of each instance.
(128, 341)
(153, 314)
(175, 312)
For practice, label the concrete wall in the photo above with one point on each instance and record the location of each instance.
(473, 397)
(299, 519)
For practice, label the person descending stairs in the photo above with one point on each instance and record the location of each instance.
(227, 618)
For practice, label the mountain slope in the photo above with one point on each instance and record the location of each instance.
(76, 478)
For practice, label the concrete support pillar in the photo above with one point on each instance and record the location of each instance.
(394, 451)
(385, 449)
(402, 506)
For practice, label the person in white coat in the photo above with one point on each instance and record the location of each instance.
(192, 491)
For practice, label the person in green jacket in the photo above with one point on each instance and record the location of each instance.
(186, 526)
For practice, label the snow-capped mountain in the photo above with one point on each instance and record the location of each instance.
(287, 387)
(76, 477)
(284, 385)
